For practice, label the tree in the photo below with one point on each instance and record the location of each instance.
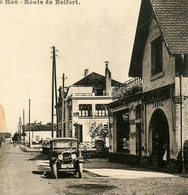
(97, 131)
(16, 137)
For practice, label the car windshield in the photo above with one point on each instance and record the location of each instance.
(65, 144)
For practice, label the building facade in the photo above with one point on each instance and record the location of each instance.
(85, 113)
(125, 122)
(160, 60)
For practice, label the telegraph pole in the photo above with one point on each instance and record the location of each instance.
(181, 119)
(29, 123)
(52, 113)
(63, 106)
(23, 126)
(54, 84)
(57, 117)
(20, 128)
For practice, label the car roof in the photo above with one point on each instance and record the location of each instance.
(64, 139)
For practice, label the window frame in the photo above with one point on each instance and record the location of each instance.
(99, 111)
(157, 56)
(85, 110)
(138, 111)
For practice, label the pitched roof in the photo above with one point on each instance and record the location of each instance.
(172, 18)
(94, 79)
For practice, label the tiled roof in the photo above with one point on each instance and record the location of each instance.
(172, 16)
(95, 79)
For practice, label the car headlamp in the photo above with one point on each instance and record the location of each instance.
(60, 157)
(73, 156)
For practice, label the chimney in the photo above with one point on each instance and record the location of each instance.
(108, 80)
(86, 72)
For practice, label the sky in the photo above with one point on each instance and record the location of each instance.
(85, 35)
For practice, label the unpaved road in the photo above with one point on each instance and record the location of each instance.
(27, 173)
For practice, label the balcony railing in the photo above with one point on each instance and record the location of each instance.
(129, 87)
(83, 94)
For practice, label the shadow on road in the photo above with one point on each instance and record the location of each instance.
(48, 175)
(17, 153)
(44, 174)
(40, 157)
(92, 188)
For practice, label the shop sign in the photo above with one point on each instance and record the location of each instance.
(158, 104)
(157, 94)
(119, 108)
(177, 99)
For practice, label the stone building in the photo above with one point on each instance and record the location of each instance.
(160, 60)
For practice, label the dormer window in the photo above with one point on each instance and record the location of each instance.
(156, 56)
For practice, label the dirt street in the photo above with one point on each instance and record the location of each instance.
(28, 173)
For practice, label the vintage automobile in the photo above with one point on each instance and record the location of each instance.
(46, 146)
(65, 156)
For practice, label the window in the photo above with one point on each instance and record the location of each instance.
(156, 56)
(123, 131)
(101, 110)
(181, 63)
(85, 110)
(138, 111)
(99, 92)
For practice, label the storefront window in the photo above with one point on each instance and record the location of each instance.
(123, 138)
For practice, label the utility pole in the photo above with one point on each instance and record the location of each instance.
(63, 106)
(54, 83)
(20, 128)
(181, 121)
(52, 113)
(23, 126)
(29, 123)
(57, 116)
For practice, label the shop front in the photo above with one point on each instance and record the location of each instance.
(125, 130)
(162, 136)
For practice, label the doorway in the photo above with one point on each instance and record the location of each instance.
(123, 131)
(159, 139)
(79, 132)
(138, 143)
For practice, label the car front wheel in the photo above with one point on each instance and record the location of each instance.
(54, 170)
(80, 170)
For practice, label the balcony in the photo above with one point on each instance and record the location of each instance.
(130, 87)
(83, 94)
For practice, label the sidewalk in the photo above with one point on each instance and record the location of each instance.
(28, 149)
(101, 167)
(104, 168)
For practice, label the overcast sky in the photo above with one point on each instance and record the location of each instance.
(86, 35)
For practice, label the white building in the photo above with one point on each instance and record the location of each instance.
(85, 106)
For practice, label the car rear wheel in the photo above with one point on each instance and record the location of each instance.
(55, 171)
(80, 170)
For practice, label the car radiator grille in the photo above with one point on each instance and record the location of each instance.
(66, 155)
